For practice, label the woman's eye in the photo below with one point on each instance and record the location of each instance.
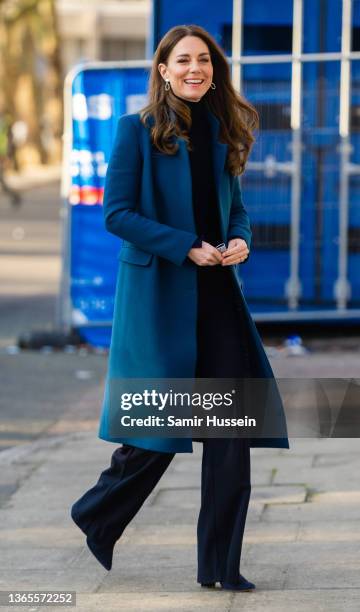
(185, 60)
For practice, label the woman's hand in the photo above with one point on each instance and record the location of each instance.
(207, 255)
(236, 252)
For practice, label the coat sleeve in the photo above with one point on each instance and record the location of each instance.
(239, 223)
(121, 198)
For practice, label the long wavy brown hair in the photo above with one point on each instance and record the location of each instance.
(172, 118)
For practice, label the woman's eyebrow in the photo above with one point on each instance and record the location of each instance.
(187, 54)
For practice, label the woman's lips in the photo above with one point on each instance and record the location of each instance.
(194, 84)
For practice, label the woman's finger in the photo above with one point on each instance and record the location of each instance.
(237, 247)
(233, 260)
(237, 255)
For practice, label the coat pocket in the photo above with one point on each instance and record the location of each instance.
(135, 256)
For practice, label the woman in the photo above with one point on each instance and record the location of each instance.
(172, 195)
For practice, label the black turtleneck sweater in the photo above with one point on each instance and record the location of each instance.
(204, 194)
(219, 329)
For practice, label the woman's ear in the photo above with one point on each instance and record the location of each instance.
(162, 69)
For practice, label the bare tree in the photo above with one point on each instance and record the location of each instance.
(30, 70)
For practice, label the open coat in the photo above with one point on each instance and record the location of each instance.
(148, 203)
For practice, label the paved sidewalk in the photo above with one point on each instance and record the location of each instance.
(301, 546)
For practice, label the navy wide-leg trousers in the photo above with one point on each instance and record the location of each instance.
(106, 509)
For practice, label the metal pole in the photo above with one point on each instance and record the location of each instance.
(63, 305)
(293, 285)
(342, 289)
(302, 57)
(237, 42)
(151, 31)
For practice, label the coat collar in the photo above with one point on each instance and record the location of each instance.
(219, 151)
(219, 148)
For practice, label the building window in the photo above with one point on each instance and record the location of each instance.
(113, 49)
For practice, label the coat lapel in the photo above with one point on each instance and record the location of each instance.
(219, 156)
(219, 150)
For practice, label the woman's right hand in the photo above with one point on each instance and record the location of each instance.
(207, 255)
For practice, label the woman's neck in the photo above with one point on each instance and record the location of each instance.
(190, 102)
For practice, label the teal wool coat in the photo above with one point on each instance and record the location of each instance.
(148, 204)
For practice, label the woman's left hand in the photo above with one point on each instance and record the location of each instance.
(236, 252)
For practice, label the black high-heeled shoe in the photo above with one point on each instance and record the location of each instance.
(241, 585)
(102, 552)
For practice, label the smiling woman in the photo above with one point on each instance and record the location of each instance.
(172, 194)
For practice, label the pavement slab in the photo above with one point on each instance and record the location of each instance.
(310, 512)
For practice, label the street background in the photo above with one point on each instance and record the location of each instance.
(302, 537)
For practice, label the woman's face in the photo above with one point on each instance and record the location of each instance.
(189, 68)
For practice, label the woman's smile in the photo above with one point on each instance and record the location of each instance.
(193, 82)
